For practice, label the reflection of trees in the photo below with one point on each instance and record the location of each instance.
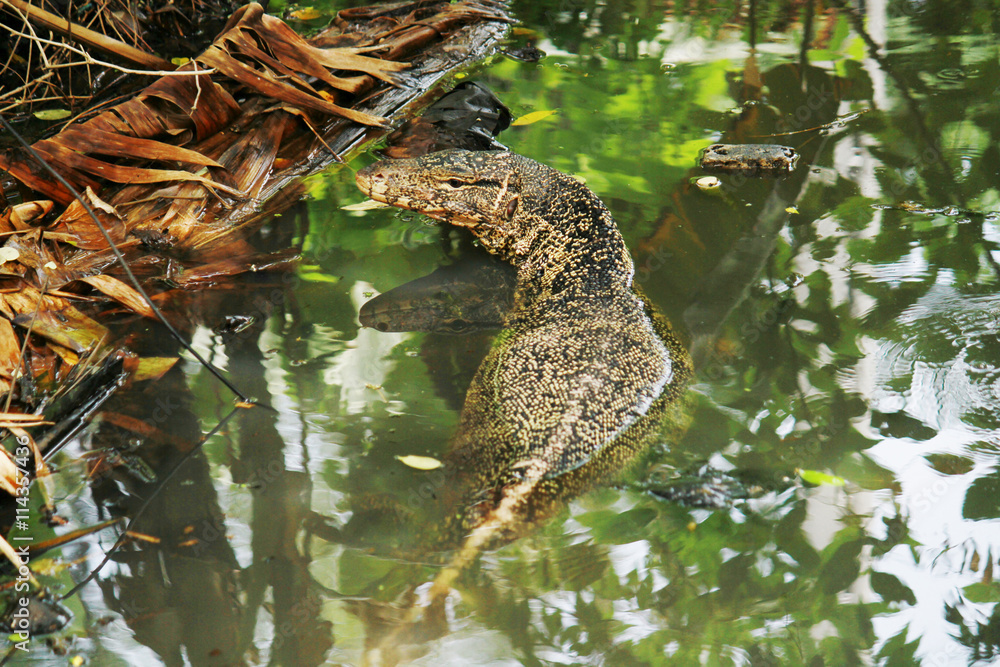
(905, 189)
(182, 590)
(782, 383)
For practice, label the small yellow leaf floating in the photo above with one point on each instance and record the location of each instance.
(533, 117)
(8, 255)
(153, 368)
(306, 14)
(708, 182)
(76, 661)
(180, 62)
(53, 114)
(419, 462)
(525, 32)
(816, 478)
(791, 209)
(366, 205)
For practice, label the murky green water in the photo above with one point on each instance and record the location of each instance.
(843, 321)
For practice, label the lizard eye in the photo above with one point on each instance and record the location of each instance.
(511, 207)
(454, 183)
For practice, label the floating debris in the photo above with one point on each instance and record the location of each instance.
(365, 205)
(533, 117)
(817, 478)
(749, 159)
(419, 462)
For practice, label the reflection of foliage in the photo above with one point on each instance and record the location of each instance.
(874, 306)
(859, 260)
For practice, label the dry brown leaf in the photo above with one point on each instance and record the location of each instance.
(120, 292)
(10, 349)
(67, 158)
(264, 83)
(114, 144)
(8, 474)
(76, 227)
(56, 320)
(21, 215)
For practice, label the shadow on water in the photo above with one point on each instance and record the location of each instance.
(824, 493)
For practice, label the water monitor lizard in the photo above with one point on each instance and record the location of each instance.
(581, 375)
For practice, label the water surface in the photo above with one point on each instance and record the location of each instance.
(843, 321)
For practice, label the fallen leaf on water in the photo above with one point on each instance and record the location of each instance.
(533, 117)
(816, 478)
(53, 114)
(120, 292)
(419, 462)
(791, 209)
(366, 205)
(152, 368)
(708, 182)
(67, 327)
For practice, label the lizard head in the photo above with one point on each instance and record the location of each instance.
(477, 190)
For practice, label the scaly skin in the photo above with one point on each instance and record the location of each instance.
(579, 360)
(584, 373)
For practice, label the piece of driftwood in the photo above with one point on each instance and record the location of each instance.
(195, 161)
(749, 159)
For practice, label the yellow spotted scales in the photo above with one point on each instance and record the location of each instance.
(584, 373)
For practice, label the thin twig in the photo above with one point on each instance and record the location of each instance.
(33, 36)
(45, 99)
(31, 83)
(94, 61)
(197, 85)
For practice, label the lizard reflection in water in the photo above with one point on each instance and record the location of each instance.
(580, 378)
